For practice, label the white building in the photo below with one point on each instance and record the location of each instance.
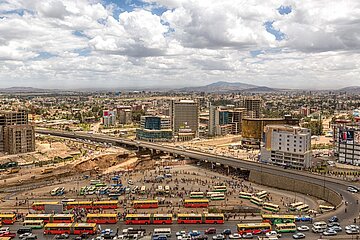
(109, 118)
(287, 146)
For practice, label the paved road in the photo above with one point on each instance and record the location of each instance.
(352, 210)
(187, 227)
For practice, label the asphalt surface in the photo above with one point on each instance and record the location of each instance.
(340, 186)
(187, 227)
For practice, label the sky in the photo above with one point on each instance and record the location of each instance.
(71, 44)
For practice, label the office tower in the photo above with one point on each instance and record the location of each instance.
(225, 120)
(154, 128)
(287, 146)
(184, 116)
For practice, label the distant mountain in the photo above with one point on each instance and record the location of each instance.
(24, 90)
(219, 87)
(260, 89)
(351, 89)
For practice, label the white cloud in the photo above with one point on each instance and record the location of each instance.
(73, 43)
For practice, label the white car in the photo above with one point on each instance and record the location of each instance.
(273, 234)
(303, 228)
(4, 230)
(25, 235)
(349, 227)
(235, 236)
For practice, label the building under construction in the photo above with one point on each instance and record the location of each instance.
(16, 134)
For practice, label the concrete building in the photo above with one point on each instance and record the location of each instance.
(347, 143)
(225, 120)
(253, 128)
(287, 146)
(124, 114)
(109, 118)
(184, 116)
(253, 107)
(16, 134)
(154, 128)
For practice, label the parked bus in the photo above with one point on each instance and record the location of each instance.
(105, 204)
(275, 219)
(302, 208)
(79, 204)
(285, 227)
(262, 194)
(325, 208)
(162, 231)
(209, 194)
(189, 218)
(46, 218)
(254, 228)
(196, 195)
(143, 189)
(213, 218)
(145, 204)
(70, 228)
(33, 223)
(196, 203)
(221, 188)
(62, 218)
(293, 206)
(102, 218)
(218, 196)
(256, 200)
(40, 206)
(7, 218)
(148, 219)
(245, 195)
(271, 207)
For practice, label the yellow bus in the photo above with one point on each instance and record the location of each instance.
(196, 203)
(46, 218)
(271, 207)
(145, 204)
(275, 219)
(254, 228)
(285, 227)
(105, 204)
(102, 218)
(34, 223)
(40, 206)
(7, 218)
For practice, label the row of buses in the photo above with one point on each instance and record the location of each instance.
(211, 195)
(40, 206)
(206, 218)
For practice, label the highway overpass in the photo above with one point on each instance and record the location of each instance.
(322, 183)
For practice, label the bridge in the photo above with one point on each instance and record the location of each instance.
(329, 189)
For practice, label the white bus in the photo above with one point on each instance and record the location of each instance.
(218, 196)
(221, 188)
(196, 195)
(162, 231)
(293, 206)
(245, 195)
(262, 194)
(271, 207)
(325, 208)
(302, 208)
(209, 194)
(256, 201)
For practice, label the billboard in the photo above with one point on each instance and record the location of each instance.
(348, 135)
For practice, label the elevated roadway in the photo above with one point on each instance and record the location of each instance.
(339, 186)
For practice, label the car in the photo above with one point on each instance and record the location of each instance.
(303, 218)
(349, 227)
(185, 237)
(329, 232)
(333, 224)
(194, 233)
(298, 235)
(201, 237)
(180, 233)
(235, 236)
(226, 232)
(336, 228)
(4, 230)
(210, 231)
(8, 234)
(160, 237)
(247, 236)
(25, 234)
(303, 228)
(333, 219)
(32, 237)
(352, 190)
(24, 230)
(62, 236)
(218, 237)
(352, 231)
(273, 234)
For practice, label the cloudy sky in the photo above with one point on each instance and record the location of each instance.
(175, 43)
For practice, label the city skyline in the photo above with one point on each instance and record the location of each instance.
(174, 43)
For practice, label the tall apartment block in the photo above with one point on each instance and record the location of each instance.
(225, 120)
(287, 146)
(347, 143)
(124, 114)
(184, 116)
(16, 135)
(253, 106)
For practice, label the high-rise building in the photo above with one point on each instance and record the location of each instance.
(253, 106)
(225, 120)
(184, 116)
(124, 114)
(287, 146)
(16, 134)
(109, 118)
(154, 128)
(347, 143)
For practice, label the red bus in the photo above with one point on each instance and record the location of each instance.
(254, 228)
(40, 206)
(137, 219)
(146, 204)
(213, 218)
(102, 218)
(161, 219)
(62, 218)
(83, 204)
(196, 203)
(189, 218)
(105, 204)
(7, 218)
(70, 228)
